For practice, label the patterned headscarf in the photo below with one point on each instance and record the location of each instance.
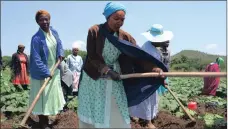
(112, 7)
(42, 12)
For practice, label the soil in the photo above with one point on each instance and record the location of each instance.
(164, 120)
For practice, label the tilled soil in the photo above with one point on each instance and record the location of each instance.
(67, 120)
(164, 120)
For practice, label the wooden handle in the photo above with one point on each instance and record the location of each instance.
(175, 74)
(182, 106)
(38, 95)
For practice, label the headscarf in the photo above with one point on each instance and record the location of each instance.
(20, 46)
(42, 12)
(112, 7)
(75, 45)
(219, 61)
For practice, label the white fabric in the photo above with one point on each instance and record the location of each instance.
(75, 64)
(75, 45)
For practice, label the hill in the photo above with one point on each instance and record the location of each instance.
(197, 54)
(191, 60)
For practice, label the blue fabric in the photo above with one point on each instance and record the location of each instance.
(112, 7)
(162, 89)
(39, 54)
(137, 89)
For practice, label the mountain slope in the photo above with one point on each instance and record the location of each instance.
(198, 54)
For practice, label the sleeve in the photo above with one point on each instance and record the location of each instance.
(93, 57)
(12, 62)
(27, 64)
(38, 66)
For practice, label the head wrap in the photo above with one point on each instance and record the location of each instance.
(219, 61)
(112, 7)
(21, 46)
(75, 45)
(41, 12)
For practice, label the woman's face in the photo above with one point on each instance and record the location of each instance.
(21, 49)
(161, 44)
(116, 20)
(44, 22)
(75, 51)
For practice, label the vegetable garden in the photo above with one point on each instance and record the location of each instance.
(210, 112)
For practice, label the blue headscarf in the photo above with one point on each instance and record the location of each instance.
(112, 7)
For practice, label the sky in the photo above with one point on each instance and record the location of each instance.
(196, 25)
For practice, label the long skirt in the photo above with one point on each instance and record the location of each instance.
(51, 100)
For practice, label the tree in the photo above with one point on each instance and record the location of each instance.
(184, 59)
(6, 61)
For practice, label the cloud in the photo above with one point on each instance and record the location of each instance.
(81, 45)
(211, 46)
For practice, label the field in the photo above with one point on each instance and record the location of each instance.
(209, 114)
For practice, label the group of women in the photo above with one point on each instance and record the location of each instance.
(102, 98)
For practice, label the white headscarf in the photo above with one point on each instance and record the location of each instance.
(75, 45)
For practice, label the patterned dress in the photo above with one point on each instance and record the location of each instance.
(96, 97)
(51, 100)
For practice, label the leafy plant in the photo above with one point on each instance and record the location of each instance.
(12, 100)
(185, 89)
(73, 103)
(213, 120)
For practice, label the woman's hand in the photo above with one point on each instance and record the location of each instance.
(114, 75)
(50, 77)
(158, 70)
(61, 58)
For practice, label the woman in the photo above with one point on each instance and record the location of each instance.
(161, 42)
(46, 49)
(66, 80)
(20, 68)
(75, 62)
(158, 40)
(102, 99)
(211, 83)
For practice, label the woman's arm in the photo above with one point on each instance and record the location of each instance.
(92, 56)
(37, 65)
